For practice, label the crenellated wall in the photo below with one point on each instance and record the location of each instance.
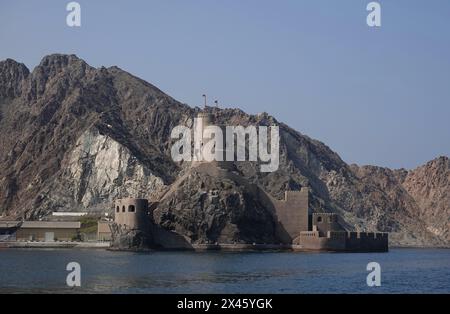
(343, 241)
(367, 241)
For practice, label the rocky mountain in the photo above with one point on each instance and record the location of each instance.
(75, 137)
(429, 187)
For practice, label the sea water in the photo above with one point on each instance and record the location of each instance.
(102, 271)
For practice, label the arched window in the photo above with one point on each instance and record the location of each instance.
(330, 219)
(117, 209)
(131, 209)
(319, 219)
(123, 209)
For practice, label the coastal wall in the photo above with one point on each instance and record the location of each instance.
(367, 241)
(343, 241)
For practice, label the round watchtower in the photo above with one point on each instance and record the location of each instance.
(210, 119)
(207, 118)
(203, 120)
(131, 213)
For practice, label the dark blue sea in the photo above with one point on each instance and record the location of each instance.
(402, 271)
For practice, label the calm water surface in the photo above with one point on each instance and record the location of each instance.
(44, 271)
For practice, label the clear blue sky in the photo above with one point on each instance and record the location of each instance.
(375, 96)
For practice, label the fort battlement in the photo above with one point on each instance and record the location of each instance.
(336, 235)
(367, 235)
(346, 235)
(325, 214)
(343, 241)
(290, 196)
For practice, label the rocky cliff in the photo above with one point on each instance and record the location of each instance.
(429, 186)
(75, 137)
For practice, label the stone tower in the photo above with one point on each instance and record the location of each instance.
(209, 119)
(132, 213)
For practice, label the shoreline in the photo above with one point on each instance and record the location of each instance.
(54, 245)
(225, 247)
(193, 248)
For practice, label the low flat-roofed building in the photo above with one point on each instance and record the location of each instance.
(8, 230)
(69, 214)
(48, 231)
(7, 224)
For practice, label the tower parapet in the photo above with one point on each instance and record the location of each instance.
(206, 117)
(131, 213)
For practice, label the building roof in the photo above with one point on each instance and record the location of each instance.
(52, 224)
(326, 214)
(74, 214)
(9, 223)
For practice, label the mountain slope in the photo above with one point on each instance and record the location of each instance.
(429, 187)
(75, 137)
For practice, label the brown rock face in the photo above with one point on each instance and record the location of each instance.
(209, 205)
(392, 207)
(74, 137)
(429, 185)
(12, 75)
(130, 240)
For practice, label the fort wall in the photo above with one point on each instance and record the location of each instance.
(343, 241)
(311, 240)
(325, 222)
(367, 241)
(292, 213)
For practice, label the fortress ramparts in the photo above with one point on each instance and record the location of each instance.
(322, 231)
(295, 225)
(302, 231)
(343, 241)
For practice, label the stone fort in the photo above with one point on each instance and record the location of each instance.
(296, 225)
(303, 231)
